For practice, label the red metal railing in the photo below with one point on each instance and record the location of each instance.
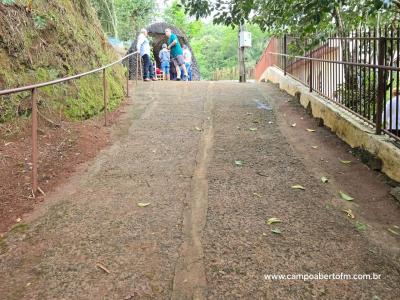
(34, 116)
(359, 71)
(266, 60)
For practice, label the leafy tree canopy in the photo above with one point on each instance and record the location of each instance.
(304, 17)
(122, 18)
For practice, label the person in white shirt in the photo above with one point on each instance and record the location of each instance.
(187, 58)
(392, 109)
(143, 47)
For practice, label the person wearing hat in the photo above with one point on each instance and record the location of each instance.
(165, 58)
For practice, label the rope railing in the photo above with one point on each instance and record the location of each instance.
(34, 114)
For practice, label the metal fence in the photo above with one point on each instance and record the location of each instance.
(231, 74)
(358, 71)
(33, 89)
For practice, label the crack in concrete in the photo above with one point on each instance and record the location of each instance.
(190, 279)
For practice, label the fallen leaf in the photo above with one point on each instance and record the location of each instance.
(310, 130)
(19, 220)
(197, 128)
(324, 179)
(276, 230)
(238, 162)
(102, 267)
(257, 194)
(346, 197)
(349, 213)
(294, 125)
(346, 162)
(256, 121)
(393, 231)
(143, 204)
(298, 187)
(273, 220)
(253, 129)
(9, 143)
(314, 147)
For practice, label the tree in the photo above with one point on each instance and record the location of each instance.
(123, 18)
(175, 15)
(304, 17)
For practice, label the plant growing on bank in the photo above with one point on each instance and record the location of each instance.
(123, 18)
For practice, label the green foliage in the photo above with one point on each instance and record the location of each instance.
(175, 15)
(54, 39)
(7, 2)
(89, 100)
(300, 17)
(123, 18)
(40, 22)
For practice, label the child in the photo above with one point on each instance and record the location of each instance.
(165, 57)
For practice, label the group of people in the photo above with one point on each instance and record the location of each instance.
(175, 61)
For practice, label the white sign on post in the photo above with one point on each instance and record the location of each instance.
(245, 39)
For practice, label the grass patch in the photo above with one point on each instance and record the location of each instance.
(3, 245)
(19, 228)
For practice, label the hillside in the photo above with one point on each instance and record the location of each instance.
(46, 39)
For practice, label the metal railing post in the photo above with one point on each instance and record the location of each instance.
(311, 73)
(105, 96)
(127, 79)
(137, 67)
(284, 57)
(381, 84)
(34, 142)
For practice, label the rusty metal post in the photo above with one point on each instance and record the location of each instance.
(140, 68)
(284, 57)
(34, 142)
(137, 67)
(311, 73)
(105, 96)
(381, 84)
(127, 78)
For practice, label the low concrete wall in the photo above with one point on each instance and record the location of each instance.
(348, 127)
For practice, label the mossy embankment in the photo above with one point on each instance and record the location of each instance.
(43, 40)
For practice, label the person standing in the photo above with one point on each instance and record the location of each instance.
(165, 58)
(176, 54)
(187, 57)
(143, 47)
(392, 112)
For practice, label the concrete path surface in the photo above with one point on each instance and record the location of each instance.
(177, 207)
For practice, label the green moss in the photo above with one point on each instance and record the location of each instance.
(3, 245)
(19, 228)
(70, 42)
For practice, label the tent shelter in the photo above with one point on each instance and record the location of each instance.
(157, 38)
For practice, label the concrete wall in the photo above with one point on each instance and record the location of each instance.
(348, 127)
